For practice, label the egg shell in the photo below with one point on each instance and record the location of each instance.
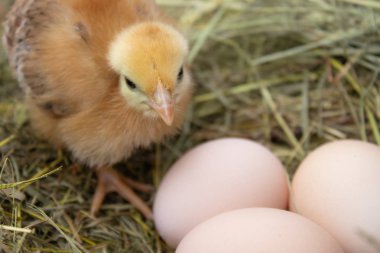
(258, 230)
(215, 177)
(338, 186)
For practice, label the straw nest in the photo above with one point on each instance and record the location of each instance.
(289, 74)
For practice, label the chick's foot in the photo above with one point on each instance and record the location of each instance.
(109, 180)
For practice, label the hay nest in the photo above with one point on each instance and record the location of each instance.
(290, 74)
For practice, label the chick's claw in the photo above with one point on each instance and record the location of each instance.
(146, 188)
(109, 180)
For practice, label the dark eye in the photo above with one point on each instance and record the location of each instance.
(130, 84)
(180, 74)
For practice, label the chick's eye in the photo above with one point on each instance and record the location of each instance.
(180, 74)
(130, 84)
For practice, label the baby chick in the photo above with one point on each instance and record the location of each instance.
(101, 78)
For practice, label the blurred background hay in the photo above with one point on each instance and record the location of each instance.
(289, 74)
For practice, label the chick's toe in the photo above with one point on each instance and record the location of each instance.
(109, 180)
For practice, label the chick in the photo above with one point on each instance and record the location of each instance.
(100, 78)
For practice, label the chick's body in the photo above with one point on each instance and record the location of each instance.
(98, 75)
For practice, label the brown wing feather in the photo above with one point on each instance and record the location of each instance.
(22, 25)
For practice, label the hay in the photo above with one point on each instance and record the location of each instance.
(290, 74)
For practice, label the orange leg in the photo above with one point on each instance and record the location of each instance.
(109, 180)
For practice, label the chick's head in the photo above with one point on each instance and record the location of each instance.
(150, 59)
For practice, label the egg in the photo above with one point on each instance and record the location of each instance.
(258, 230)
(215, 177)
(338, 186)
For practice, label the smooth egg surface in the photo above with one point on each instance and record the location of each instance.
(261, 230)
(215, 177)
(338, 187)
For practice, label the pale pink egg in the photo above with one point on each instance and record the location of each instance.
(215, 177)
(338, 187)
(261, 230)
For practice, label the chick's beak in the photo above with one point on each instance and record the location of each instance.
(162, 103)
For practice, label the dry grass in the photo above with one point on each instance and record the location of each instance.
(290, 74)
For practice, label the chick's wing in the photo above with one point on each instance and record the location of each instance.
(51, 53)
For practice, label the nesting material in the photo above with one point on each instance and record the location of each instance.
(289, 74)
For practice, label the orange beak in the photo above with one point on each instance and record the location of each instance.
(162, 103)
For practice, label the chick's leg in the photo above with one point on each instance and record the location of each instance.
(109, 180)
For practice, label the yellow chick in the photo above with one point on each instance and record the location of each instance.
(101, 78)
